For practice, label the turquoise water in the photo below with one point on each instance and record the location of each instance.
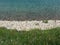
(28, 5)
(29, 9)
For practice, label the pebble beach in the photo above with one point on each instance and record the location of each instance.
(27, 25)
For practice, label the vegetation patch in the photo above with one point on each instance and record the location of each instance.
(45, 21)
(33, 37)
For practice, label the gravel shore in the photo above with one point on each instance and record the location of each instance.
(27, 25)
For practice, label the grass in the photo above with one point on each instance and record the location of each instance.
(33, 37)
(45, 21)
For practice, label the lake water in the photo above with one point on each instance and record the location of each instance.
(28, 5)
(34, 8)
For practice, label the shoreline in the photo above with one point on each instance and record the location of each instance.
(27, 25)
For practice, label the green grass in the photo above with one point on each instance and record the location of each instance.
(45, 21)
(33, 37)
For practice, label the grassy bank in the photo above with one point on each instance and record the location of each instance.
(33, 37)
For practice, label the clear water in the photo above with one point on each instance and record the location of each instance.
(28, 5)
(29, 9)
